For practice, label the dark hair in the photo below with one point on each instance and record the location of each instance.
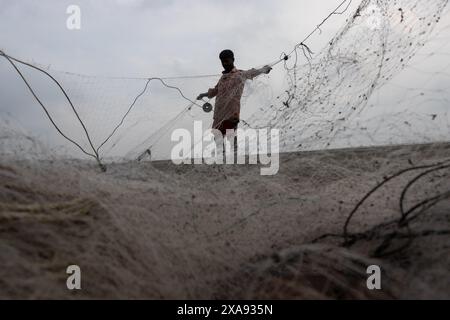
(226, 54)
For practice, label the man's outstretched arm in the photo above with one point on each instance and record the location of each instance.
(253, 73)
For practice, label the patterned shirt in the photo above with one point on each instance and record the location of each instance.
(228, 93)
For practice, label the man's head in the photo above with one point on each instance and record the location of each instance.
(227, 58)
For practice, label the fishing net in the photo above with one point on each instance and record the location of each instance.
(334, 100)
(381, 80)
(156, 230)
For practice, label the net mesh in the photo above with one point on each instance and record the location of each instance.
(327, 100)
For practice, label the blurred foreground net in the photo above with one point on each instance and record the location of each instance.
(381, 80)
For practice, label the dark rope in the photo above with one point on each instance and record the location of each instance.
(411, 183)
(11, 59)
(372, 191)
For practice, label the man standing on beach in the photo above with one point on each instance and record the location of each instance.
(228, 92)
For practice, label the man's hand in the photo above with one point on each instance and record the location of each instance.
(201, 96)
(267, 69)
